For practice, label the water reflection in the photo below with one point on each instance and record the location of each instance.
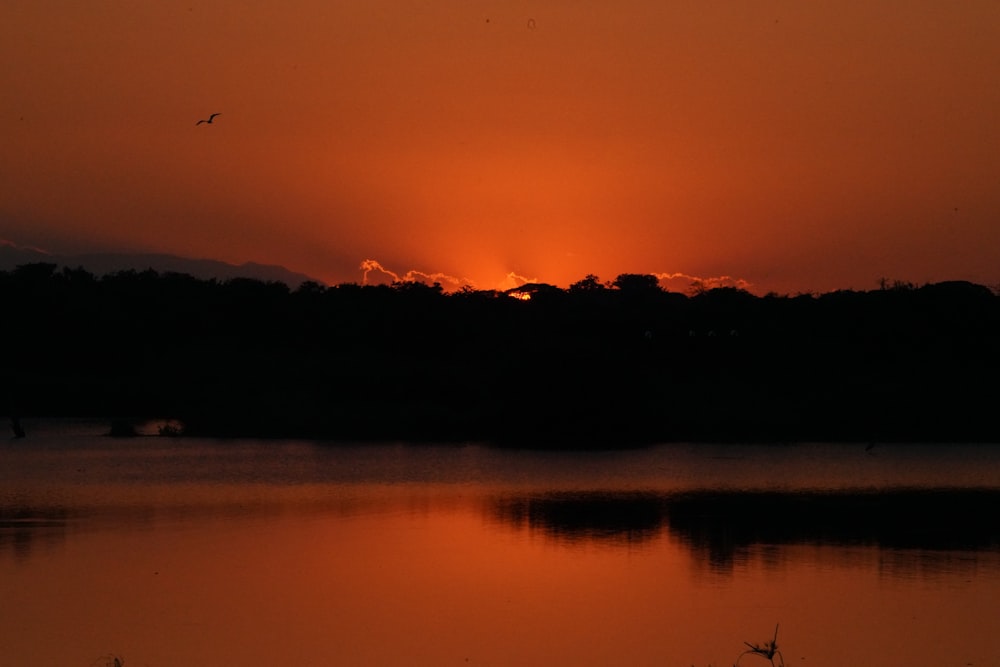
(24, 528)
(615, 518)
(937, 519)
(176, 551)
(722, 527)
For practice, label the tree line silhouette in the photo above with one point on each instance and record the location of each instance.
(616, 363)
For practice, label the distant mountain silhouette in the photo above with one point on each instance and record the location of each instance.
(104, 263)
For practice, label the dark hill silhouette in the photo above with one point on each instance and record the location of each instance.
(104, 263)
(623, 364)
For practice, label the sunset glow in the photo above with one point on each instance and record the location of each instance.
(775, 146)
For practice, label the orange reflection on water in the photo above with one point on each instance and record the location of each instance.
(168, 552)
(430, 576)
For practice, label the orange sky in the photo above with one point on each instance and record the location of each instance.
(796, 146)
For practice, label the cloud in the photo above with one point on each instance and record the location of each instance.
(373, 272)
(369, 266)
(512, 280)
(4, 243)
(698, 282)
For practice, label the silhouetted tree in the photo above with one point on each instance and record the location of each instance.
(410, 361)
(590, 283)
(637, 283)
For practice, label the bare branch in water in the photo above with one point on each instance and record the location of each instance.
(768, 650)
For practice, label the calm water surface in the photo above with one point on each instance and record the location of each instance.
(164, 552)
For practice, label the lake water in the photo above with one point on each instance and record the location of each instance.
(162, 552)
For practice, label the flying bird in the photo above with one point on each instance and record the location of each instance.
(209, 120)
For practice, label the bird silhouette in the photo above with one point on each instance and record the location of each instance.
(209, 120)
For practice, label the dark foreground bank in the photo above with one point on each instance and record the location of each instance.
(612, 364)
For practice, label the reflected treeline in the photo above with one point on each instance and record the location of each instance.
(613, 517)
(23, 528)
(718, 526)
(598, 363)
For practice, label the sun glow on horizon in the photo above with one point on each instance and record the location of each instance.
(373, 273)
(782, 147)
